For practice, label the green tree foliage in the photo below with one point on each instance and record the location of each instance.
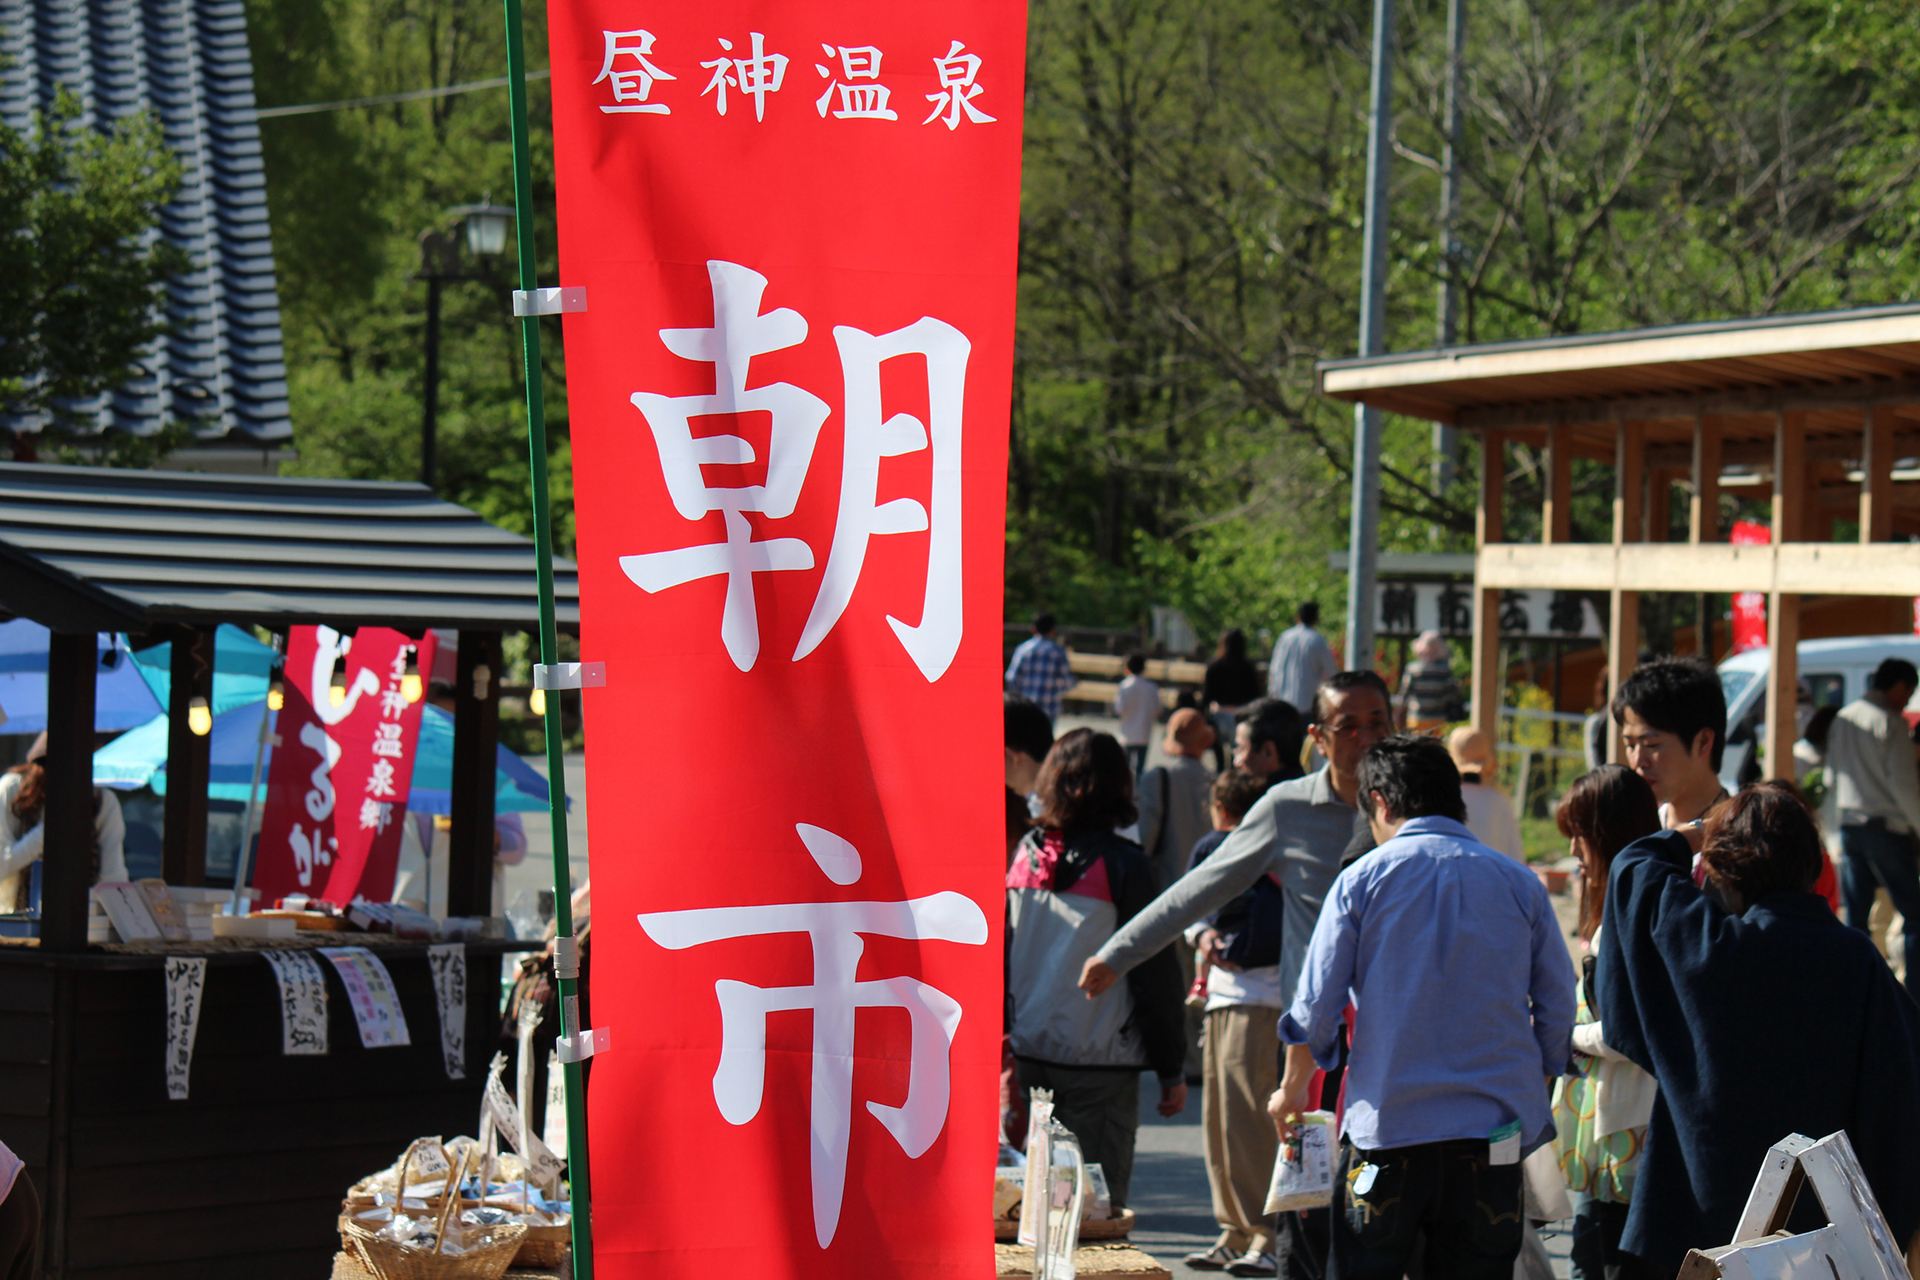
(351, 192)
(80, 273)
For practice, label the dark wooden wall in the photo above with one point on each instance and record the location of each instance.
(244, 1177)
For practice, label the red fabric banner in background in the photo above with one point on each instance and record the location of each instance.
(337, 787)
(795, 226)
(1749, 607)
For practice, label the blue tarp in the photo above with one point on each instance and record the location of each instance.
(121, 698)
(139, 759)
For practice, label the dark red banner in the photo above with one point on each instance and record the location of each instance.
(795, 226)
(337, 788)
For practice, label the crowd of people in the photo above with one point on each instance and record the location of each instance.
(1345, 907)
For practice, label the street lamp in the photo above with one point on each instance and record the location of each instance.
(485, 227)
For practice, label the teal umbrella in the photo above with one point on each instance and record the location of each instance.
(242, 669)
(138, 758)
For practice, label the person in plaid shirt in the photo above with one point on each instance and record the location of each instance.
(1039, 669)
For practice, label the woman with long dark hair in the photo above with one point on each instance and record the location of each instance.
(23, 799)
(1761, 1015)
(1074, 882)
(1601, 1110)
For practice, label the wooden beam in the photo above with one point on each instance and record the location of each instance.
(1790, 478)
(1809, 568)
(1623, 653)
(183, 845)
(1876, 476)
(1783, 684)
(1629, 482)
(67, 863)
(1759, 400)
(1703, 509)
(476, 734)
(1556, 512)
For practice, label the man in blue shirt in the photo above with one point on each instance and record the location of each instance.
(1039, 671)
(1463, 996)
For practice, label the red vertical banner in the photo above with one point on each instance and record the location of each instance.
(337, 788)
(1749, 607)
(795, 229)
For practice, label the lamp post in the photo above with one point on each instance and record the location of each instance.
(483, 226)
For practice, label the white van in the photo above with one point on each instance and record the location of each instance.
(1835, 670)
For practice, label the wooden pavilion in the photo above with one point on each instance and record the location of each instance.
(244, 1177)
(1813, 412)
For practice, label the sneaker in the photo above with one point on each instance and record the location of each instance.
(1214, 1259)
(1254, 1263)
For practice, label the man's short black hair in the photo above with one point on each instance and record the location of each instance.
(1894, 672)
(1347, 682)
(1136, 662)
(1415, 776)
(1027, 727)
(1044, 623)
(1275, 720)
(1677, 695)
(1309, 612)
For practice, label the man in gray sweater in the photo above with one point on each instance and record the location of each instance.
(1296, 833)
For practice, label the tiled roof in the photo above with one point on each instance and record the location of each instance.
(186, 61)
(120, 549)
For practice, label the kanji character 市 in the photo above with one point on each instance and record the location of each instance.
(833, 998)
(739, 333)
(380, 779)
(759, 75)
(375, 815)
(857, 101)
(957, 89)
(633, 83)
(386, 741)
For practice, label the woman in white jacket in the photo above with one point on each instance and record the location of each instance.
(1602, 1109)
(23, 828)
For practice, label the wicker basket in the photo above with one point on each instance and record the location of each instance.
(545, 1247)
(388, 1260)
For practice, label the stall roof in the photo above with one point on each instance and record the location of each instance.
(1835, 362)
(103, 549)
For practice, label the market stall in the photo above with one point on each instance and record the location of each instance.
(243, 1174)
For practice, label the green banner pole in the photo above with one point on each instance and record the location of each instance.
(566, 953)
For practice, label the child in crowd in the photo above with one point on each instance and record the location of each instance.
(1137, 703)
(1241, 1057)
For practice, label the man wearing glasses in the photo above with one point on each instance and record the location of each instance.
(1295, 833)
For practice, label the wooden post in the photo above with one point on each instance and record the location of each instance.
(1486, 612)
(1556, 514)
(476, 734)
(67, 862)
(1659, 513)
(1623, 652)
(183, 848)
(1783, 610)
(1703, 511)
(1876, 476)
(1789, 478)
(1623, 607)
(1783, 684)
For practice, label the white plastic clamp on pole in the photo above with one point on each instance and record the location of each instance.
(566, 958)
(570, 675)
(583, 1046)
(549, 302)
